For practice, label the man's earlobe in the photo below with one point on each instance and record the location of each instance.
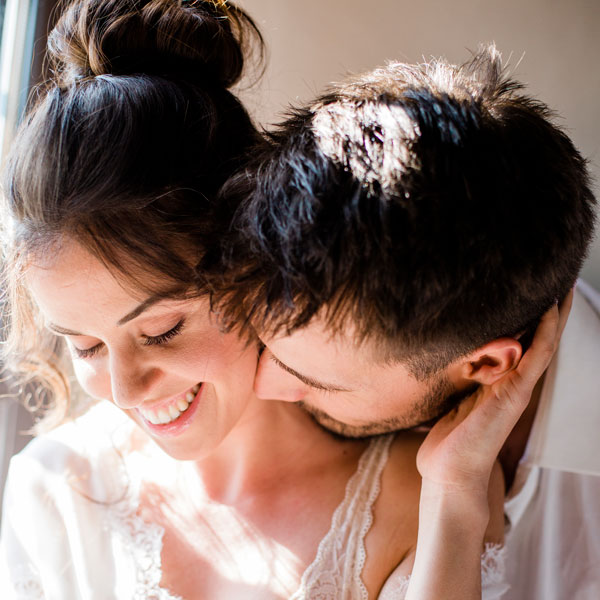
(492, 361)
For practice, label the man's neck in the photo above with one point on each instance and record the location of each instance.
(515, 445)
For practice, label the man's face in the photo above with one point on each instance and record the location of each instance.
(344, 386)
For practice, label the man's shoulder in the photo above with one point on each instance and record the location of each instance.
(564, 433)
(557, 512)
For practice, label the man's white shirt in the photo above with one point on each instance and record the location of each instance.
(553, 510)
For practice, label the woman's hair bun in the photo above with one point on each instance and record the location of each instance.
(204, 40)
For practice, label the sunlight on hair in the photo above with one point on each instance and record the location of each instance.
(370, 141)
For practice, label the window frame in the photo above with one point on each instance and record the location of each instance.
(22, 42)
(16, 53)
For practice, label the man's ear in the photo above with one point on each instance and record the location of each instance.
(490, 362)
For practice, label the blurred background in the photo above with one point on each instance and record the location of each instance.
(551, 45)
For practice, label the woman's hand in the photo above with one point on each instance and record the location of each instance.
(460, 450)
(456, 460)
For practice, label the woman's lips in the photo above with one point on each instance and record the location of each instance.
(173, 416)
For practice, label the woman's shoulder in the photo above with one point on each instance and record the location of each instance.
(69, 502)
(91, 431)
(393, 535)
(81, 450)
(393, 540)
(398, 502)
(401, 477)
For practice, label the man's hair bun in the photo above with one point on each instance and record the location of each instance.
(203, 40)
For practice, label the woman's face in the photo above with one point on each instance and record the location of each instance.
(164, 363)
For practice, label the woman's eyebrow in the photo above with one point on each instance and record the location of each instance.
(308, 380)
(140, 308)
(169, 294)
(61, 330)
(136, 312)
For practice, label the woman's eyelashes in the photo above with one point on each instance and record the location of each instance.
(149, 340)
(163, 338)
(87, 352)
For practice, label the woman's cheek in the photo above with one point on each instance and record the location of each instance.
(95, 382)
(232, 363)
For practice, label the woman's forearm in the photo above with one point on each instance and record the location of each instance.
(452, 525)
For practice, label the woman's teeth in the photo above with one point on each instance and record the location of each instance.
(168, 414)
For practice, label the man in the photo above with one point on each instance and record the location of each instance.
(399, 241)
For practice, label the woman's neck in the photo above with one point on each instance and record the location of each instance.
(273, 444)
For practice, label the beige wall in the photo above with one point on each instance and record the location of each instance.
(554, 45)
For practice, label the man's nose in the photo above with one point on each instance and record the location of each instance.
(133, 379)
(273, 383)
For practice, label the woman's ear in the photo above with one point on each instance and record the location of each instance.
(491, 362)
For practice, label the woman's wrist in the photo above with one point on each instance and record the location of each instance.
(452, 525)
(463, 511)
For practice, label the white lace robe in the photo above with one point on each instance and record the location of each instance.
(71, 531)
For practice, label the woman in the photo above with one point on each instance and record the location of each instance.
(203, 491)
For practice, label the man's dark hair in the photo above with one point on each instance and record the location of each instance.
(436, 207)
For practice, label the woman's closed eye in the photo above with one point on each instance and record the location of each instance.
(86, 352)
(163, 338)
(148, 340)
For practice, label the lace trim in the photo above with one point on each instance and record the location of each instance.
(380, 458)
(493, 565)
(336, 572)
(27, 584)
(397, 589)
(141, 541)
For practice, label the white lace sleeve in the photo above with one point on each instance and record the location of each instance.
(22, 525)
(493, 577)
(51, 554)
(70, 527)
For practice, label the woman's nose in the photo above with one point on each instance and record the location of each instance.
(133, 379)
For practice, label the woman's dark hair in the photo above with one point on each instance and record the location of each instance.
(123, 150)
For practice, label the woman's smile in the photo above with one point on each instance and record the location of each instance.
(168, 411)
(174, 415)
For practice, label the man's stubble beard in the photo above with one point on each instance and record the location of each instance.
(441, 397)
